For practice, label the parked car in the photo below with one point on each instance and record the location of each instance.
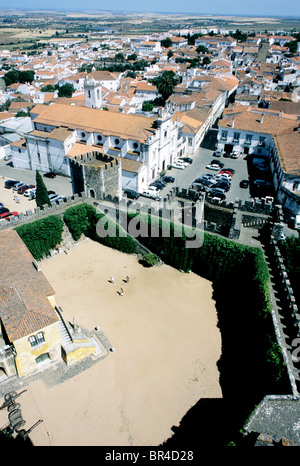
(152, 193)
(217, 197)
(213, 167)
(10, 183)
(186, 159)
(7, 156)
(1, 205)
(169, 179)
(226, 154)
(235, 154)
(18, 186)
(223, 176)
(262, 183)
(179, 165)
(218, 153)
(8, 215)
(217, 162)
(158, 184)
(52, 196)
(131, 193)
(22, 189)
(50, 175)
(212, 191)
(244, 184)
(231, 171)
(3, 210)
(180, 160)
(207, 176)
(51, 192)
(222, 185)
(29, 192)
(58, 198)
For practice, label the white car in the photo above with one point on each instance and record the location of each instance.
(152, 193)
(180, 166)
(223, 177)
(218, 153)
(213, 167)
(29, 192)
(235, 154)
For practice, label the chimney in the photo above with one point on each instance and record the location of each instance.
(262, 119)
(232, 124)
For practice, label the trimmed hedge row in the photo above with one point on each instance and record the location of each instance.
(42, 235)
(84, 219)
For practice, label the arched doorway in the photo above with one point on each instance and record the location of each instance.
(43, 359)
(92, 193)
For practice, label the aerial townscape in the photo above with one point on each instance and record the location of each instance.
(149, 229)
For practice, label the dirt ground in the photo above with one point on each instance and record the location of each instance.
(167, 344)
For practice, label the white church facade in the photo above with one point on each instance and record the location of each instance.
(145, 146)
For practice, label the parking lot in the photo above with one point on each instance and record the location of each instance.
(184, 178)
(60, 185)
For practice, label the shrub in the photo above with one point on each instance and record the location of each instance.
(42, 235)
(149, 259)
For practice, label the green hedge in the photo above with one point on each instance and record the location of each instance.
(42, 235)
(83, 219)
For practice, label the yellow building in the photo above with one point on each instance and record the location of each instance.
(33, 331)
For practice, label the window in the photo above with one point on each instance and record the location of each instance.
(165, 133)
(83, 134)
(236, 137)
(117, 141)
(135, 145)
(262, 141)
(224, 135)
(32, 341)
(40, 338)
(89, 94)
(248, 139)
(99, 138)
(190, 141)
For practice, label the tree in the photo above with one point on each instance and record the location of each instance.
(165, 84)
(42, 197)
(292, 46)
(48, 88)
(202, 49)
(166, 42)
(66, 90)
(119, 57)
(147, 106)
(170, 54)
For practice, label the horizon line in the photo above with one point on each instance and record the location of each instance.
(66, 10)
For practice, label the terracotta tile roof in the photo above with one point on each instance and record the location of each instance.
(24, 307)
(129, 126)
(288, 148)
(251, 121)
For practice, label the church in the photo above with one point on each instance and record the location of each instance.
(144, 146)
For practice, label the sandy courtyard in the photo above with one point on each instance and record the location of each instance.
(167, 344)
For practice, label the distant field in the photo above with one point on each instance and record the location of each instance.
(16, 35)
(26, 26)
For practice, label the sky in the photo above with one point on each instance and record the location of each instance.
(214, 7)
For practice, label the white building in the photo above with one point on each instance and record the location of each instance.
(273, 136)
(145, 146)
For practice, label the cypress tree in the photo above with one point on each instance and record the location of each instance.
(42, 197)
